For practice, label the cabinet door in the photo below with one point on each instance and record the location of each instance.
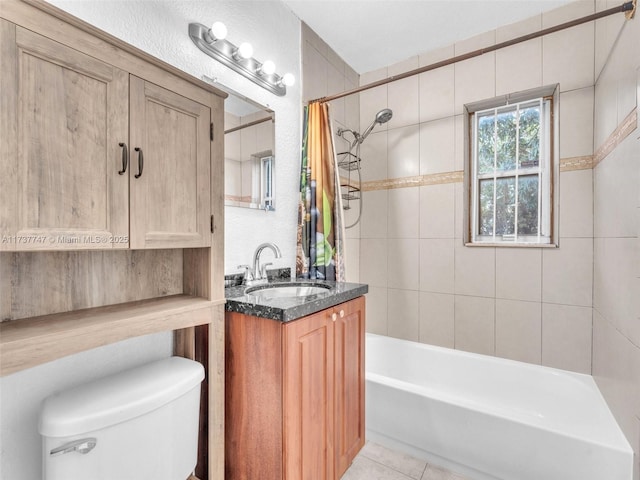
(170, 169)
(64, 115)
(308, 398)
(349, 332)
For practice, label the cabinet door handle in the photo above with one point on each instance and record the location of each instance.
(125, 158)
(140, 162)
(341, 313)
(334, 316)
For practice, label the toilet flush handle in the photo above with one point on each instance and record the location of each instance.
(83, 446)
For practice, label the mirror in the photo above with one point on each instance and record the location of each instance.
(249, 159)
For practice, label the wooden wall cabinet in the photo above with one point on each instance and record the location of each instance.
(96, 157)
(92, 252)
(105, 148)
(64, 114)
(170, 201)
(295, 394)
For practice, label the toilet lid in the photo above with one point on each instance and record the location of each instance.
(119, 397)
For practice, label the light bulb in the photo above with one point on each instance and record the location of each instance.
(267, 68)
(245, 50)
(288, 79)
(218, 31)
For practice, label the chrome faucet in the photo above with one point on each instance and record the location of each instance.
(259, 272)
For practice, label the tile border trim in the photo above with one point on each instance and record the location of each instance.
(628, 125)
(568, 164)
(576, 163)
(415, 181)
(238, 198)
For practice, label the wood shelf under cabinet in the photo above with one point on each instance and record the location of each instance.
(32, 341)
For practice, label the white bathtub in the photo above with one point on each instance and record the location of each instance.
(490, 418)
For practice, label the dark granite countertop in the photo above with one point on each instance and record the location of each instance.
(290, 308)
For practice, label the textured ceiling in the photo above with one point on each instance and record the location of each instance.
(370, 34)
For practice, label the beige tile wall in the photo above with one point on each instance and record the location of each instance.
(532, 305)
(576, 307)
(616, 178)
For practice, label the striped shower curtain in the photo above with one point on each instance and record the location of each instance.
(320, 252)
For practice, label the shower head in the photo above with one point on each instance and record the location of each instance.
(383, 116)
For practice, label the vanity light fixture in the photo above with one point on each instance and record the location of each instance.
(287, 80)
(267, 68)
(218, 31)
(240, 59)
(245, 51)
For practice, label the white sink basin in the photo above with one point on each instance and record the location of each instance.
(287, 291)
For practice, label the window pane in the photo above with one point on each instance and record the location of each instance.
(510, 170)
(505, 141)
(505, 206)
(486, 128)
(529, 147)
(528, 205)
(485, 223)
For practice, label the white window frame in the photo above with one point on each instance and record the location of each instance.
(546, 170)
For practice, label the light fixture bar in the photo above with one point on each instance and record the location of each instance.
(223, 51)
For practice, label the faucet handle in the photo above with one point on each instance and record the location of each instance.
(248, 276)
(263, 270)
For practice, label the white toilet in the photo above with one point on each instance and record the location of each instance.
(140, 424)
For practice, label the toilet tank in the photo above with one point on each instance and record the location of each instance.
(140, 424)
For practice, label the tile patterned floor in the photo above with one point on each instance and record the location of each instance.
(375, 462)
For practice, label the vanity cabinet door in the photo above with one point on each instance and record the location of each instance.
(64, 115)
(349, 372)
(170, 169)
(309, 398)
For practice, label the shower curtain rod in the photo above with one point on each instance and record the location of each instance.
(628, 7)
(250, 124)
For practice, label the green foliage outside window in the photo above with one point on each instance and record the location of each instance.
(508, 166)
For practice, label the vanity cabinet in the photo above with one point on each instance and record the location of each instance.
(295, 394)
(95, 157)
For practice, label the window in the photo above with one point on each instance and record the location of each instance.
(267, 183)
(511, 170)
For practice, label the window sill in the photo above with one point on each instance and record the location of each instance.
(512, 245)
